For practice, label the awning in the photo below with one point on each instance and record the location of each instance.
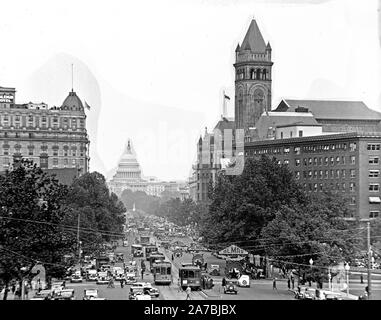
(374, 200)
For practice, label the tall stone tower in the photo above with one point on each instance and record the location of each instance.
(253, 78)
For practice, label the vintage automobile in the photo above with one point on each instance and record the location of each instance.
(214, 270)
(43, 295)
(65, 294)
(90, 294)
(230, 287)
(57, 286)
(134, 291)
(119, 257)
(92, 275)
(131, 278)
(103, 277)
(244, 281)
(153, 292)
(75, 278)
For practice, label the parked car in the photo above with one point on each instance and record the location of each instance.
(92, 275)
(89, 294)
(43, 295)
(103, 277)
(153, 292)
(230, 287)
(65, 294)
(75, 278)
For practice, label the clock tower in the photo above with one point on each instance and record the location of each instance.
(252, 78)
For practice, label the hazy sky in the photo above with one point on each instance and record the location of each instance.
(180, 53)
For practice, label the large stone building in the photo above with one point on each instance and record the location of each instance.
(128, 176)
(327, 144)
(53, 137)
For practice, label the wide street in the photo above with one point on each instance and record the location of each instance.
(259, 289)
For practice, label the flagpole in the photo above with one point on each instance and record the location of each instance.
(224, 105)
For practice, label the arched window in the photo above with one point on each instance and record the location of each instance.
(252, 73)
(264, 74)
(258, 74)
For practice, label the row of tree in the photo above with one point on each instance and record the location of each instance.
(265, 211)
(39, 219)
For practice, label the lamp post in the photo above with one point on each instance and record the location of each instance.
(311, 263)
(329, 279)
(347, 272)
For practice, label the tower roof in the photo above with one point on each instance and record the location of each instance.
(72, 102)
(253, 40)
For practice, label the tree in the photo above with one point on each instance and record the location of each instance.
(32, 228)
(315, 230)
(101, 212)
(240, 206)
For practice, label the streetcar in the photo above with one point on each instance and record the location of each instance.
(162, 272)
(155, 257)
(137, 250)
(190, 276)
(150, 249)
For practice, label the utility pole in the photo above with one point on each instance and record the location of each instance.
(369, 261)
(78, 244)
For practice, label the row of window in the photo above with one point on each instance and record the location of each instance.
(305, 149)
(8, 161)
(64, 153)
(320, 187)
(7, 120)
(326, 174)
(319, 161)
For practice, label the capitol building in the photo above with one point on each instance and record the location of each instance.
(128, 176)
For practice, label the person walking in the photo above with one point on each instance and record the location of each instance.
(361, 278)
(188, 291)
(292, 282)
(288, 283)
(122, 283)
(172, 257)
(274, 284)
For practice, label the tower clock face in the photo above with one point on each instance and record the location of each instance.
(257, 106)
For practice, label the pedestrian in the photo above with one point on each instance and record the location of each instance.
(188, 291)
(223, 282)
(122, 283)
(288, 283)
(274, 284)
(292, 282)
(361, 278)
(142, 273)
(172, 257)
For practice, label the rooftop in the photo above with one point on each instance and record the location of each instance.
(253, 40)
(331, 109)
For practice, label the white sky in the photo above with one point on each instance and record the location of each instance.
(180, 54)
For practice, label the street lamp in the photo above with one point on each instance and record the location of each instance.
(347, 272)
(311, 263)
(329, 279)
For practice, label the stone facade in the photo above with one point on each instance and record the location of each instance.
(53, 137)
(253, 68)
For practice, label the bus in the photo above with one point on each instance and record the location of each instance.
(149, 250)
(190, 276)
(137, 250)
(162, 272)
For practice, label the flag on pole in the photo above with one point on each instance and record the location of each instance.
(226, 97)
(87, 106)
